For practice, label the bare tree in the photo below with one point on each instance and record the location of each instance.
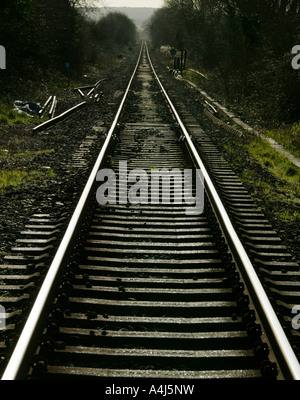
(244, 44)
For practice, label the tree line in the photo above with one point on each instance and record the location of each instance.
(245, 45)
(48, 34)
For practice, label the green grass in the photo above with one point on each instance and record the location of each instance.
(288, 216)
(193, 77)
(275, 162)
(12, 117)
(16, 177)
(282, 198)
(282, 195)
(288, 137)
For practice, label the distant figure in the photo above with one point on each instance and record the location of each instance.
(2, 57)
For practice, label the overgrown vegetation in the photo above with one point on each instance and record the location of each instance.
(244, 47)
(274, 161)
(270, 159)
(42, 35)
(288, 136)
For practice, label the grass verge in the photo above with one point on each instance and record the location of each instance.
(276, 185)
(275, 162)
(288, 136)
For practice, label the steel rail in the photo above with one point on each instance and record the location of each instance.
(18, 361)
(274, 327)
(54, 120)
(15, 367)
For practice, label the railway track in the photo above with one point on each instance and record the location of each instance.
(146, 288)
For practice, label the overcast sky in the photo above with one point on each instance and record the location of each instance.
(131, 3)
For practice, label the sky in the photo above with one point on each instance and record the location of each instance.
(131, 3)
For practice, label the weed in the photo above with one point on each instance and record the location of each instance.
(288, 136)
(291, 171)
(15, 177)
(3, 119)
(110, 160)
(276, 163)
(288, 216)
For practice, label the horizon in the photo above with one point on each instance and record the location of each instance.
(130, 3)
(124, 7)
